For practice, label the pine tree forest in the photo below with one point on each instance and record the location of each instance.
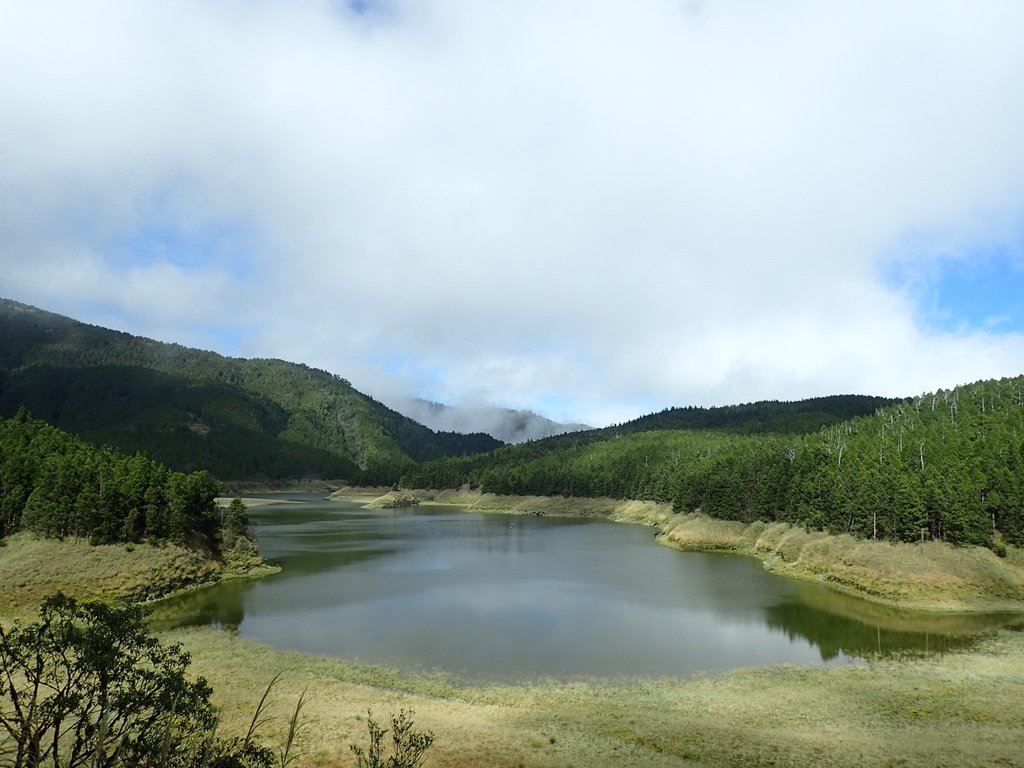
(58, 486)
(947, 465)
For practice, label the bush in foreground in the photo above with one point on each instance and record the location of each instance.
(87, 685)
(407, 746)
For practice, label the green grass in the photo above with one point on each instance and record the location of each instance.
(32, 568)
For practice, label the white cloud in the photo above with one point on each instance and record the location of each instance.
(619, 204)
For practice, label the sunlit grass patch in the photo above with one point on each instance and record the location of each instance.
(32, 568)
(962, 709)
(930, 575)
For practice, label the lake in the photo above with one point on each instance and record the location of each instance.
(486, 597)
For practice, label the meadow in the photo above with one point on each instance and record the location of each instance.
(957, 709)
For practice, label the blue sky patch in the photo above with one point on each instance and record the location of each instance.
(226, 247)
(983, 291)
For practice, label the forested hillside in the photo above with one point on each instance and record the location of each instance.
(947, 465)
(764, 417)
(609, 469)
(58, 486)
(190, 408)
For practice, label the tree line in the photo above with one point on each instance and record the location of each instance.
(59, 486)
(947, 465)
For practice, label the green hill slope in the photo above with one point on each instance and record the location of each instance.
(608, 461)
(947, 465)
(764, 417)
(190, 408)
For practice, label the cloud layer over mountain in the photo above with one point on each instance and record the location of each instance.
(589, 210)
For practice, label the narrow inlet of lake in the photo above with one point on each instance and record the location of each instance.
(485, 597)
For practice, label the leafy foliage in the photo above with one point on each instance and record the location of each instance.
(87, 685)
(236, 520)
(407, 746)
(236, 528)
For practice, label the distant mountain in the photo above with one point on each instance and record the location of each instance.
(505, 424)
(192, 409)
(521, 462)
(946, 465)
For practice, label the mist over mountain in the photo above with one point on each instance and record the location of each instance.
(505, 424)
(944, 465)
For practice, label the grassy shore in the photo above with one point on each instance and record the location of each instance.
(959, 709)
(32, 568)
(930, 575)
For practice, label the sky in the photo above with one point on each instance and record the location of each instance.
(593, 210)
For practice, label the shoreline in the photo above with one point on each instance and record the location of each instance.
(254, 501)
(961, 707)
(932, 577)
(954, 708)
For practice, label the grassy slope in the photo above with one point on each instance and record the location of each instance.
(930, 576)
(32, 568)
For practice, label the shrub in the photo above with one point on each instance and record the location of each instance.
(87, 685)
(407, 746)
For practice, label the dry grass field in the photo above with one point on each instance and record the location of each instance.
(931, 575)
(958, 710)
(32, 568)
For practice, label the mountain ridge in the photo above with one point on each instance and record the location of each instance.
(177, 402)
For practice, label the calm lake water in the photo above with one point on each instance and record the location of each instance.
(511, 598)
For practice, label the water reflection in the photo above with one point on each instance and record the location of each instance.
(842, 624)
(491, 597)
(222, 606)
(835, 635)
